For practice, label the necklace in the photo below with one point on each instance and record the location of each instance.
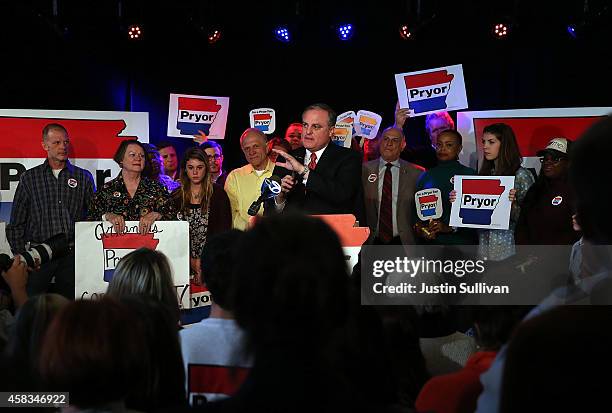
(196, 197)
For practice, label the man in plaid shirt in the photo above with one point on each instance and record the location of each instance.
(49, 199)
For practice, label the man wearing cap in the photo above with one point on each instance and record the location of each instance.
(546, 212)
(49, 199)
(389, 184)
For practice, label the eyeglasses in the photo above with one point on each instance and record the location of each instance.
(553, 159)
(394, 141)
(216, 157)
(134, 155)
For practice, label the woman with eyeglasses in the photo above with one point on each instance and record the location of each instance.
(201, 202)
(131, 196)
(546, 215)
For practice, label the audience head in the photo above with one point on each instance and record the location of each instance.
(96, 351)
(253, 143)
(392, 143)
(214, 152)
(164, 383)
(217, 263)
(589, 174)
(168, 154)
(277, 143)
(297, 296)
(494, 324)
(31, 324)
(293, 135)
(435, 123)
(131, 157)
(449, 145)
(501, 151)
(318, 123)
(558, 361)
(148, 272)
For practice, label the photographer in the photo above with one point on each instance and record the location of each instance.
(49, 199)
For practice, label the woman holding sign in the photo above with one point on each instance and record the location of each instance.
(131, 196)
(202, 203)
(437, 231)
(501, 157)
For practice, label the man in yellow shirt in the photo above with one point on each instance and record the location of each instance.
(243, 185)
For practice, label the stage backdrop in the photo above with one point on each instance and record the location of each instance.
(533, 129)
(94, 137)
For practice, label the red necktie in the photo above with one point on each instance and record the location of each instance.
(313, 161)
(385, 220)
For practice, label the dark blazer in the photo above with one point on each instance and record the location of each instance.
(334, 187)
(405, 208)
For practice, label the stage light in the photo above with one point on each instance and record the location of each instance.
(501, 30)
(345, 31)
(214, 36)
(134, 32)
(572, 30)
(282, 34)
(405, 32)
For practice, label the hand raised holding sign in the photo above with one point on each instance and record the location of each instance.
(200, 138)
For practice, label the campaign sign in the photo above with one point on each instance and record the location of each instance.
(190, 114)
(482, 202)
(432, 90)
(428, 204)
(348, 117)
(343, 134)
(367, 124)
(99, 249)
(94, 138)
(263, 119)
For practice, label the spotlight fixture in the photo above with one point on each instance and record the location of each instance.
(282, 34)
(572, 30)
(214, 36)
(345, 31)
(501, 30)
(405, 32)
(134, 32)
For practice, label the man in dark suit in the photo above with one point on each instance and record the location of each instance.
(389, 184)
(321, 177)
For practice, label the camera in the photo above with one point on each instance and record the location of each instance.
(54, 247)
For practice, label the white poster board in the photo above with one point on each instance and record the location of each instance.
(98, 249)
(428, 204)
(263, 119)
(482, 202)
(190, 114)
(367, 124)
(343, 134)
(432, 90)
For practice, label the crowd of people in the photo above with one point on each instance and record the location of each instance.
(286, 331)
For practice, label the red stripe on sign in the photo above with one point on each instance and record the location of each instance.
(263, 116)
(482, 186)
(427, 199)
(198, 105)
(89, 138)
(533, 134)
(132, 241)
(205, 378)
(427, 79)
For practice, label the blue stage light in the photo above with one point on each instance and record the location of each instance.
(345, 31)
(282, 34)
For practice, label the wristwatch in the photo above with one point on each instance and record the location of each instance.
(305, 171)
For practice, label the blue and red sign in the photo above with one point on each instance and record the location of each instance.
(479, 199)
(116, 246)
(196, 115)
(428, 91)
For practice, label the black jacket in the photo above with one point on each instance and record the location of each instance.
(333, 187)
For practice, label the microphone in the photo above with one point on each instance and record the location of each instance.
(270, 187)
